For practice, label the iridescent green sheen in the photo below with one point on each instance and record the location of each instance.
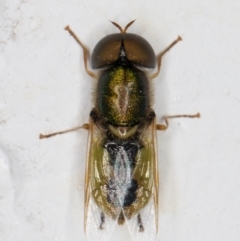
(123, 95)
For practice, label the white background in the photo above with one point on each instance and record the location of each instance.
(44, 88)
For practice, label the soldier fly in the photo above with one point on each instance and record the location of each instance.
(121, 180)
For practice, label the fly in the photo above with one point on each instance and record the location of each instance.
(121, 178)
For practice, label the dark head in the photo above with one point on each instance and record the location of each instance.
(123, 47)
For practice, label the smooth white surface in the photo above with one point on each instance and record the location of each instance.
(44, 88)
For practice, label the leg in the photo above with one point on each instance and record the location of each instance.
(85, 52)
(140, 225)
(161, 127)
(159, 57)
(84, 126)
(102, 221)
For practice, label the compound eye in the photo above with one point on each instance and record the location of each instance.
(106, 51)
(139, 51)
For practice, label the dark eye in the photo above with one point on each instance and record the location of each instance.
(138, 50)
(106, 51)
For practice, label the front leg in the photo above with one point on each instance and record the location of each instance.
(159, 57)
(85, 51)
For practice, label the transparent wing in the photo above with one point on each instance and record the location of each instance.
(93, 221)
(143, 225)
(146, 218)
(98, 227)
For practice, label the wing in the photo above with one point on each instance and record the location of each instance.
(93, 221)
(142, 226)
(142, 217)
(97, 225)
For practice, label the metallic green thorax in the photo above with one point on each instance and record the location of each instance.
(123, 95)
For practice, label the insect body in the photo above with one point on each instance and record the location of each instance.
(121, 183)
(122, 155)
